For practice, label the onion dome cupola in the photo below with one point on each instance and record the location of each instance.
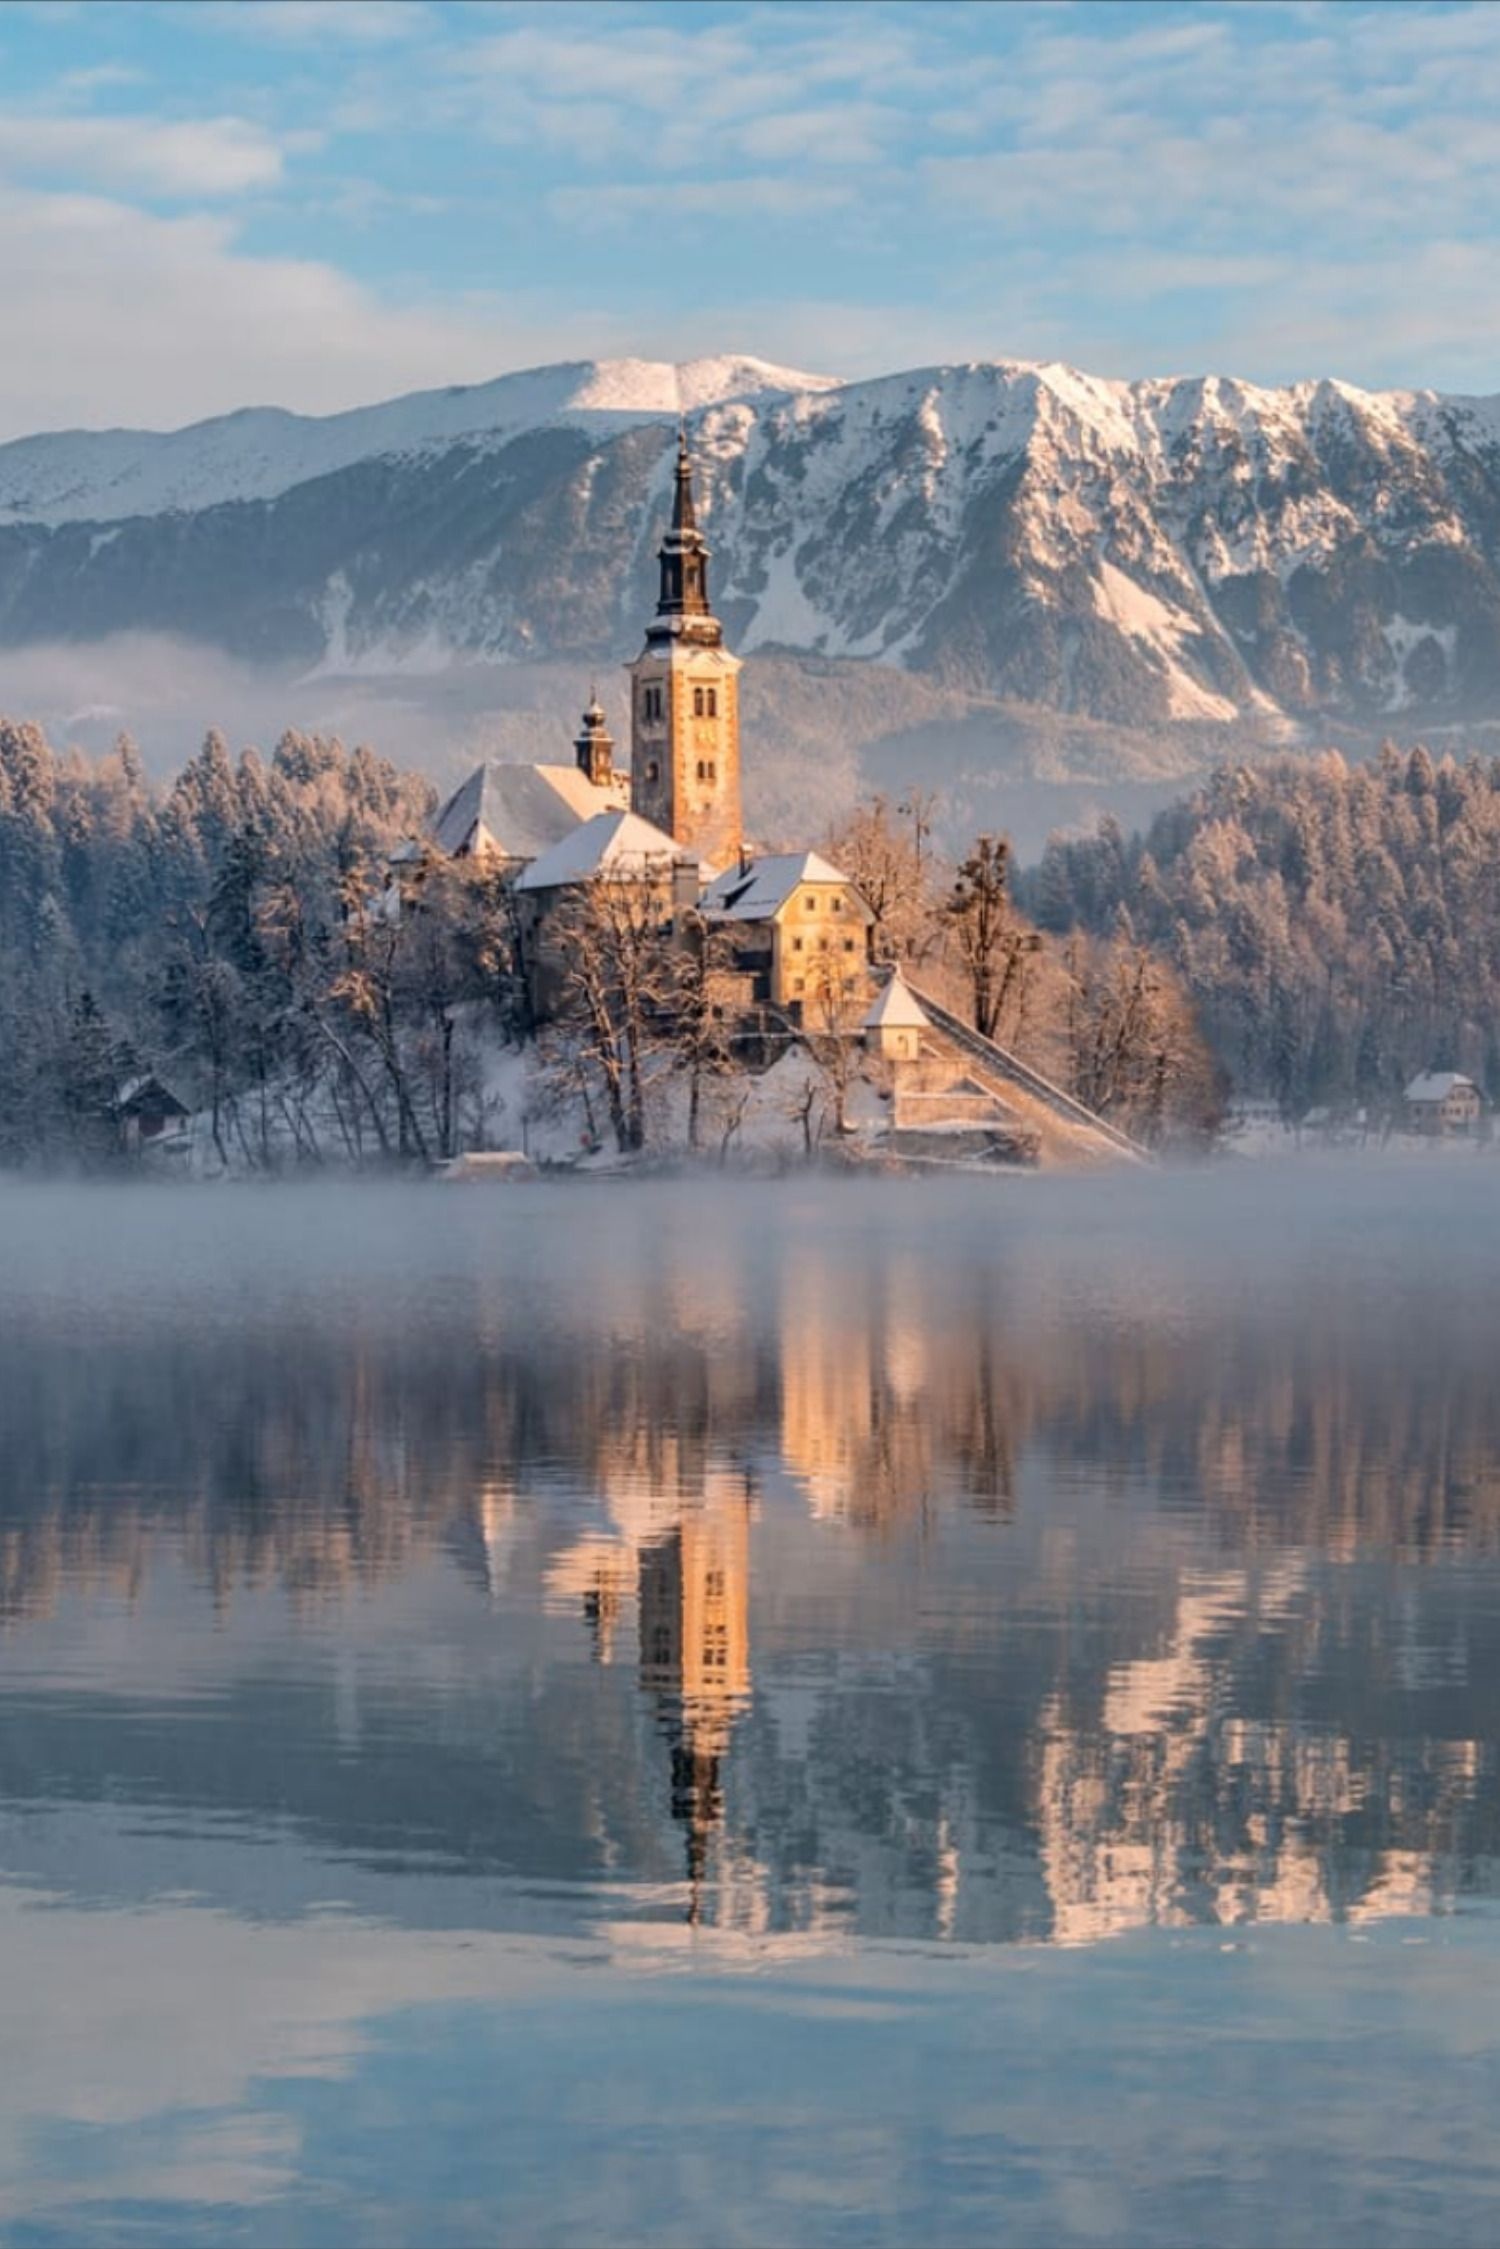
(594, 747)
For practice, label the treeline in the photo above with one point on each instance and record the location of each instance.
(230, 932)
(1337, 927)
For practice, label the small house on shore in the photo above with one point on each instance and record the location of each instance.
(149, 1115)
(1442, 1103)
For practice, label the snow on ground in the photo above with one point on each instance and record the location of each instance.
(1402, 635)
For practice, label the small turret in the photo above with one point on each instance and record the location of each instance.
(595, 745)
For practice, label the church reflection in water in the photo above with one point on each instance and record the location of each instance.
(944, 1600)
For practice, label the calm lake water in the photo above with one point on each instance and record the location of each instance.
(784, 1715)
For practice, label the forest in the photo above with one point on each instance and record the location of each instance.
(1336, 926)
(240, 933)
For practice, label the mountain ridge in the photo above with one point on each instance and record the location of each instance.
(1189, 550)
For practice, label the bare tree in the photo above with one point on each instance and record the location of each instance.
(994, 944)
(888, 869)
(619, 978)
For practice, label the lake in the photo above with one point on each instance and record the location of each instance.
(792, 1713)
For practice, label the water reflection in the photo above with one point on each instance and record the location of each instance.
(870, 1567)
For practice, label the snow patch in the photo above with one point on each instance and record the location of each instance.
(1142, 615)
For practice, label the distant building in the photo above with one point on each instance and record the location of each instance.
(798, 929)
(150, 1115)
(1441, 1103)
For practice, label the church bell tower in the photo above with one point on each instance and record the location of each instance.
(684, 699)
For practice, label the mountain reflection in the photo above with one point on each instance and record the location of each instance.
(824, 1576)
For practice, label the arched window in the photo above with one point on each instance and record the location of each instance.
(697, 702)
(713, 770)
(711, 699)
(653, 770)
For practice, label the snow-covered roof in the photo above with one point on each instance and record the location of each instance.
(1436, 1085)
(148, 1088)
(897, 1008)
(520, 811)
(761, 890)
(616, 843)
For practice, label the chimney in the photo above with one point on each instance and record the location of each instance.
(687, 881)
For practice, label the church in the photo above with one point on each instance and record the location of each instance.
(793, 925)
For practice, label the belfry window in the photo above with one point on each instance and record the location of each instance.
(697, 702)
(711, 701)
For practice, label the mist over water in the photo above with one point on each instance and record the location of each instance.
(797, 1713)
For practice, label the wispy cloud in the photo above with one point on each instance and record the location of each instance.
(206, 157)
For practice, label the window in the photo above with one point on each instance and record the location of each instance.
(799, 983)
(796, 944)
(653, 770)
(809, 904)
(651, 705)
(848, 944)
(697, 702)
(713, 769)
(838, 904)
(711, 700)
(702, 770)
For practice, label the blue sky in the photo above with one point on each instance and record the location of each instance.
(204, 205)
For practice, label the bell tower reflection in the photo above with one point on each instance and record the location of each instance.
(695, 1657)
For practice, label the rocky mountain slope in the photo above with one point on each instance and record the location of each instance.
(1192, 551)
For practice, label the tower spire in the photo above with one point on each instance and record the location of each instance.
(683, 555)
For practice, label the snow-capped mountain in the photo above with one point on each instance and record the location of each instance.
(1193, 549)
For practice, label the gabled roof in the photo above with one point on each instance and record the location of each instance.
(148, 1092)
(519, 811)
(896, 1009)
(619, 843)
(758, 892)
(1436, 1085)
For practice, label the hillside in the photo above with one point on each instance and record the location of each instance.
(1337, 927)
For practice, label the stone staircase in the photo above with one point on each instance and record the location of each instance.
(1066, 1133)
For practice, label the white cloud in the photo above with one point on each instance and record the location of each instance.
(129, 317)
(199, 157)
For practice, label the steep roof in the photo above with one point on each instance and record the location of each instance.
(616, 843)
(520, 811)
(897, 1008)
(758, 892)
(1436, 1085)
